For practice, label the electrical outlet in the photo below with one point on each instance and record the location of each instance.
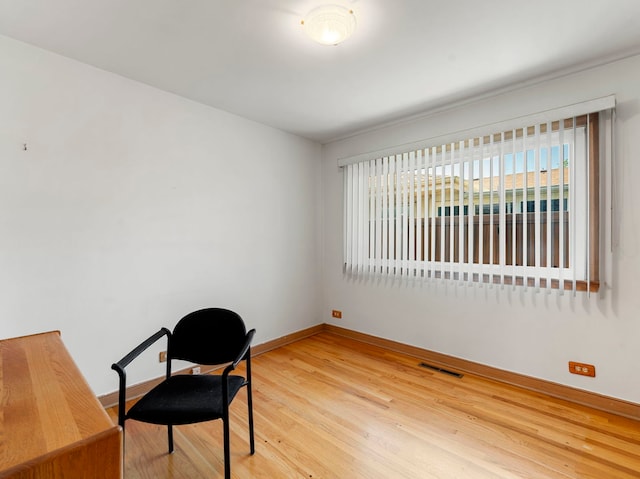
(582, 369)
(195, 370)
(336, 314)
(162, 357)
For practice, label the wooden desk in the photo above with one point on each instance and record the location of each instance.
(51, 424)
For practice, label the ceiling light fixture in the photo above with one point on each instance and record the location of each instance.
(329, 24)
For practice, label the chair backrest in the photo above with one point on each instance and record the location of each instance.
(208, 336)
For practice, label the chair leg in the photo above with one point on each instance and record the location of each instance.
(170, 437)
(227, 454)
(123, 438)
(250, 404)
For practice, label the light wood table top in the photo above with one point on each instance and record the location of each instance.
(47, 408)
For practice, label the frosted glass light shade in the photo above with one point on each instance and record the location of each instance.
(329, 24)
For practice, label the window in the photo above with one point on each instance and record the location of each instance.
(517, 207)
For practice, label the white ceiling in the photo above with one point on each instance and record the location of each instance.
(250, 57)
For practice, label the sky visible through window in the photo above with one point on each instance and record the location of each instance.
(488, 169)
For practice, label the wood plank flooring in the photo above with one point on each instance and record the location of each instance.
(328, 407)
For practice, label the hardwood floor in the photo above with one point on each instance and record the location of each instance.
(330, 407)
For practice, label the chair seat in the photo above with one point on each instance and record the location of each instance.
(185, 399)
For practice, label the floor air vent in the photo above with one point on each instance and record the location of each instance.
(440, 370)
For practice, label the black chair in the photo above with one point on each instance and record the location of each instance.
(212, 336)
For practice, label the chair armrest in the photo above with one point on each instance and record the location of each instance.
(120, 366)
(241, 355)
(246, 349)
(139, 349)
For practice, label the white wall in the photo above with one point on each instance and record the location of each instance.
(132, 207)
(525, 332)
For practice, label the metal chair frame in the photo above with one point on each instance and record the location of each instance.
(244, 355)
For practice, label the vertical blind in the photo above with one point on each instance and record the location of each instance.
(514, 207)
